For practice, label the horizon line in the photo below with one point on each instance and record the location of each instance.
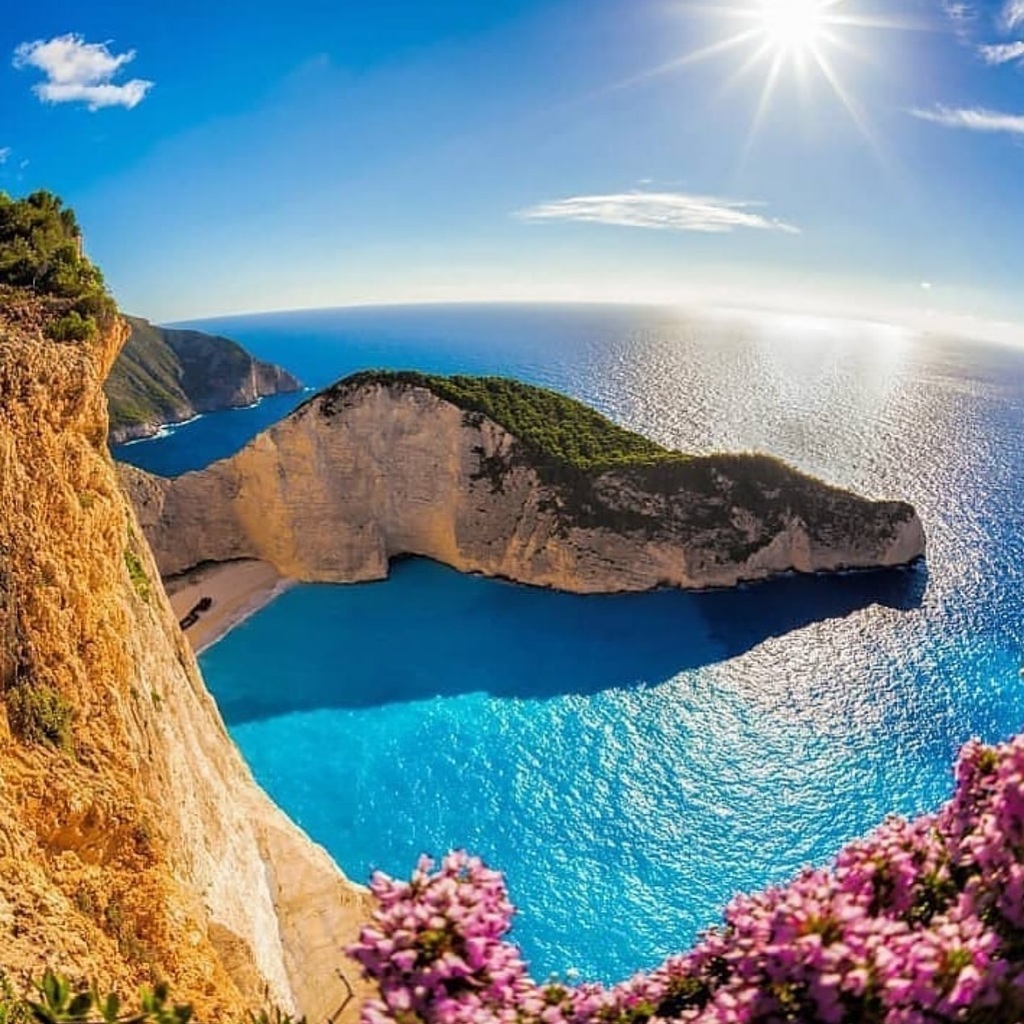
(949, 325)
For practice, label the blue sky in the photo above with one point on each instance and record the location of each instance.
(328, 154)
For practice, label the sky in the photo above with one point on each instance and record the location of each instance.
(857, 157)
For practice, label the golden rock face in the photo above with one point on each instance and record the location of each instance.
(134, 845)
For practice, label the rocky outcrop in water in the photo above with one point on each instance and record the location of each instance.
(384, 465)
(134, 844)
(163, 375)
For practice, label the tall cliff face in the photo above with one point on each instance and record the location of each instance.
(163, 375)
(371, 470)
(133, 842)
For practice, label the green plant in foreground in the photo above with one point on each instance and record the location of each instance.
(57, 1001)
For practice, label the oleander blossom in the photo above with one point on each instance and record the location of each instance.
(922, 922)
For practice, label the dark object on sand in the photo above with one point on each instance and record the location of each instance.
(204, 604)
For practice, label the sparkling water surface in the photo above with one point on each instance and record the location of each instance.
(632, 761)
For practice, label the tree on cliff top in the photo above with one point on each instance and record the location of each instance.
(41, 252)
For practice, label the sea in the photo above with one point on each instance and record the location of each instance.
(631, 762)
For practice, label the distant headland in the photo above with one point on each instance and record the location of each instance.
(165, 375)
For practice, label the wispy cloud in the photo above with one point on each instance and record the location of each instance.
(960, 13)
(962, 17)
(976, 119)
(1013, 13)
(1002, 53)
(81, 72)
(5, 152)
(1009, 18)
(667, 211)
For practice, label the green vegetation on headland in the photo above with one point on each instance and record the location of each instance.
(551, 425)
(161, 376)
(144, 384)
(41, 252)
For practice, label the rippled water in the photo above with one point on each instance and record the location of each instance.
(632, 761)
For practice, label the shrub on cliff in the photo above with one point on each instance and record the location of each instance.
(39, 714)
(41, 251)
(920, 923)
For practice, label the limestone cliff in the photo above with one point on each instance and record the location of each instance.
(163, 375)
(383, 465)
(134, 844)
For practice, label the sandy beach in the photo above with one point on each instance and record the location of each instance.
(237, 589)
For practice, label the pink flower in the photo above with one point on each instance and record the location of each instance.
(919, 922)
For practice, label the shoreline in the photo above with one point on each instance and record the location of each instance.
(238, 590)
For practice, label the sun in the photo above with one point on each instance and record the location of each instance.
(803, 39)
(795, 32)
(808, 41)
(792, 27)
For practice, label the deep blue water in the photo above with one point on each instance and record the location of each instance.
(633, 761)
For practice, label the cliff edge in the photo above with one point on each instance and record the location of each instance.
(164, 375)
(134, 844)
(496, 477)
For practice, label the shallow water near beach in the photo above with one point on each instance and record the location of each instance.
(632, 761)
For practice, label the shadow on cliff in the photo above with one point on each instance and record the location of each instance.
(430, 631)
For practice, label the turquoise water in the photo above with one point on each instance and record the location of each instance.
(633, 761)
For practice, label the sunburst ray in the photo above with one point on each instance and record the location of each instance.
(796, 36)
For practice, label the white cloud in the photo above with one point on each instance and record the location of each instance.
(96, 96)
(80, 72)
(1002, 53)
(670, 211)
(1013, 13)
(5, 152)
(976, 119)
(962, 17)
(959, 12)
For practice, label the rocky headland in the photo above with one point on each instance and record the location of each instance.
(496, 477)
(164, 375)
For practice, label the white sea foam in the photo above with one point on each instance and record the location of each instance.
(166, 430)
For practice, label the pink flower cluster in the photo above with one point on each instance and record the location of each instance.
(920, 923)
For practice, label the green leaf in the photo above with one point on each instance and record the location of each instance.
(80, 1006)
(111, 1007)
(54, 991)
(41, 1013)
